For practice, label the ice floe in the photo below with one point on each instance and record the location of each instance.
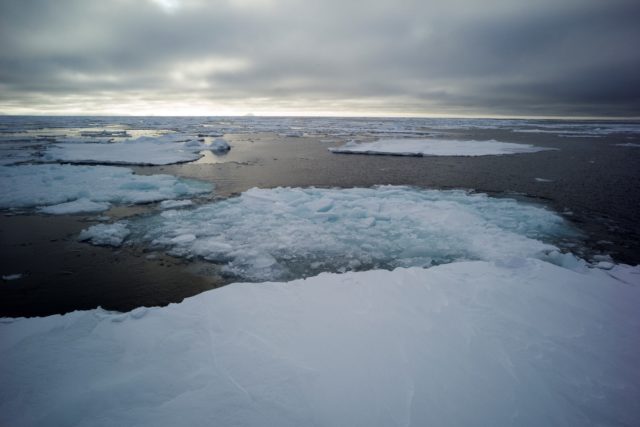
(628, 144)
(83, 205)
(288, 233)
(106, 234)
(140, 151)
(436, 147)
(173, 204)
(521, 343)
(219, 145)
(64, 189)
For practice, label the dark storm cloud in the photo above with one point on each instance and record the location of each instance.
(575, 57)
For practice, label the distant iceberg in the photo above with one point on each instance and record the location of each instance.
(436, 147)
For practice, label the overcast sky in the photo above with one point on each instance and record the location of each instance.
(328, 57)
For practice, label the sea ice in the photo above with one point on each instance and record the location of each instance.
(281, 233)
(173, 204)
(11, 156)
(523, 343)
(219, 145)
(436, 147)
(74, 189)
(14, 276)
(628, 144)
(83, 205)
(163, 150)
(106, 234)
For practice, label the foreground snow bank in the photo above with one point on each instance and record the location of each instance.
(67, 189)
(435, 147)
(285, 233)
(517, 342)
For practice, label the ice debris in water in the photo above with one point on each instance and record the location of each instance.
(173, 204)
(436, 147)
(87, 188)
(293, 232)
(163, 150)
(219, 145)
(83, 205)
(106, 234)
(14, 276)
(519, 343)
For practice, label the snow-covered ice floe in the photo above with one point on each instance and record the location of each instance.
(436, 147)
(284, 233)
(164, 150)
(518, 342)
(67, 189)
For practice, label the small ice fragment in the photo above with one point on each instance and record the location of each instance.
(605, 265)
(78, 206)
(106, 234)
(543, 180)
(172, 204)
(14, 276)
(219, 145)
(183, 238)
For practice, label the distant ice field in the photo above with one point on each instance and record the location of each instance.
(285, 233)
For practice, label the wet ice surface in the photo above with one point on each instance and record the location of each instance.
(285, 233)
(66, 189)
(435, 147)
(517, 342)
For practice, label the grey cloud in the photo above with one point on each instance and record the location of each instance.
(576, 57)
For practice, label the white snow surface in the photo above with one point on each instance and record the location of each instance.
(75, 189)
(284, 233)
(164, 150)
(106, 234)
(436, 147)
(521, 342)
